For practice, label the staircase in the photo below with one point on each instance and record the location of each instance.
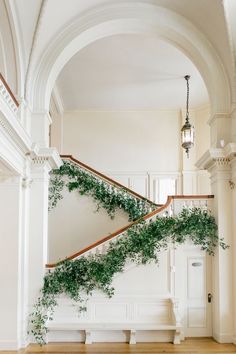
(143, 308)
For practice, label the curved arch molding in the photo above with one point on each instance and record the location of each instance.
(129, 18)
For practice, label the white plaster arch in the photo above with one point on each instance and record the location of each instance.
(17, 39)
(124, 18)
(2, 57)
(10, 62)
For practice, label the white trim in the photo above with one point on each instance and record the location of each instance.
(3, 54)
(8, 100)
(37, 29)
(58, 101)
(17, 37)
(224, 337)
(144, 173)
(173, 111)
(9, 345)
(13, 128)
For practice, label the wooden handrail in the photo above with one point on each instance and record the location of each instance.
(9, 90)
(106, 178)
(125, 228)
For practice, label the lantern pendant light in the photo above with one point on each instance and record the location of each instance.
(187, 131)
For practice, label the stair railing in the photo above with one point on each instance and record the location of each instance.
(173, 206)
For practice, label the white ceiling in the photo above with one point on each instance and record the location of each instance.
(129, 72)
(38, 30)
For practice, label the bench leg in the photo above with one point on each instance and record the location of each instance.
(88, 337)
(177, 337)
(132, 337)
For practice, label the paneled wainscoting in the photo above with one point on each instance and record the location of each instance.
(142, 309)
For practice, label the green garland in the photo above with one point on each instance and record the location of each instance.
(140, 244)
(105, 195)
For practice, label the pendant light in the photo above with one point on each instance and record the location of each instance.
(187, 131)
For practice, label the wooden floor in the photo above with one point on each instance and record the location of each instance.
(189, 346)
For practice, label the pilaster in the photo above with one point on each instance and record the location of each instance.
(233, 191)
(26, 182)
(43, 160)
(218, 162)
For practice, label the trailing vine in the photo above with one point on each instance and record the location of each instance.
(141, 244)
(105, 195)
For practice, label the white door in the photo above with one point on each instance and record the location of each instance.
(193, 285)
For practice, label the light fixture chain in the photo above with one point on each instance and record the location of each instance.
(187, 103)
(187, 77)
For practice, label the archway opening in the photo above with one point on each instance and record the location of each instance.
(118, 105)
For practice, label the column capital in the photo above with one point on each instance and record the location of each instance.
(213, 157)
(221, 163)
(42, 156)
(43, 160)
(217, 157)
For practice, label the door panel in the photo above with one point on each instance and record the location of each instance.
(193, 284)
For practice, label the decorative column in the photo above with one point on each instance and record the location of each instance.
(232, 183)
(217, 162)
(42, 162)
(26, 182)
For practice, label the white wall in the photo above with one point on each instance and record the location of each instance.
(75, 224)
(9, 261)
(195, 181)
(121, 141)
(141, 150)
(134, 141)
(131, 147)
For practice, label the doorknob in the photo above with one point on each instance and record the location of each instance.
(209, 297)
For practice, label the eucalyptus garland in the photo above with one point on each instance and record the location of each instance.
(140, 244)
(105, 195)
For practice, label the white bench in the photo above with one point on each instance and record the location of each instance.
(131, 327)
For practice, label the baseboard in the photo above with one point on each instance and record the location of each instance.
(8, 345)
(224, 337)
(13, 345)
